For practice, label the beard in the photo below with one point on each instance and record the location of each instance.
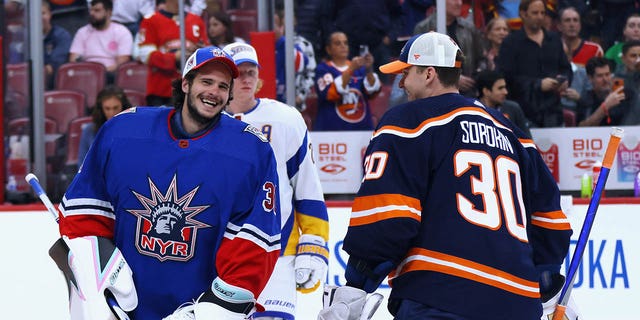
(195, 114)
(98, 23)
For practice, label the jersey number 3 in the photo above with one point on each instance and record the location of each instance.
(503, 174)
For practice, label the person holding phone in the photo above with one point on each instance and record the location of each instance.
(344, 88)
(531, 59)
(605, 105)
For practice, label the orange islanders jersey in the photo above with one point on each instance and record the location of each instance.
(463, 205)
(156, 45)
(343, 108)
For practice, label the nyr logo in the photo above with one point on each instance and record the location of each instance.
(166, 227)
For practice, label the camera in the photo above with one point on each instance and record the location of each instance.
(561, 78)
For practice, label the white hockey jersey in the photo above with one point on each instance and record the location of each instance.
(303, 210)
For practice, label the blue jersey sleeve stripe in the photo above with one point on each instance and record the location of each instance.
(312, 208)
(293, 164)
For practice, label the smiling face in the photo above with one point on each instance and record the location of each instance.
(206, 95)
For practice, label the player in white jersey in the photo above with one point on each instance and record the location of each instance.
(305, 228)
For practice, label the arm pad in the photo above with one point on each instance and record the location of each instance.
(95, 271)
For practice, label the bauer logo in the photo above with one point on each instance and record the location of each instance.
(167, 227)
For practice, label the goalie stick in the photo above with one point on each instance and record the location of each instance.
(607, 162)
(37, 188)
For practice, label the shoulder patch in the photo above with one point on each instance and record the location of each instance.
(256, 132)
(130, 110)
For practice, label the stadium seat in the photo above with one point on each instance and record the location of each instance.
(132, 75)
(310, 112)
(18, 78)
(63, 106)
(244, 21)
(86, 77)
(380, 103)
(137, 98)
(569, 118)
(73, 140)
(15, 105)
(22, 127)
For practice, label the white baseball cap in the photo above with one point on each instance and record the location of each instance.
(431, 49)
(242, 52)
(208, 54)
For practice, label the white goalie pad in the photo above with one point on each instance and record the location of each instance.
(100, 280)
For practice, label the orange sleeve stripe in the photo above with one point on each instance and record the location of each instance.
(551, 225)
(332, 92)
(382, 200)
(434, 120)
(358, 221)
(426, 260)
(554, 220)
(558, 214)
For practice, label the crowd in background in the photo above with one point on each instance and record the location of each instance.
(548, 80)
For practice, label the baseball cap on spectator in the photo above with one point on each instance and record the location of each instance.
(205, 55)
(241, 53)
(431, 49)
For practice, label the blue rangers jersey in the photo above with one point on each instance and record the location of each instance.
(182, 211)
(463, 206)
(302, 206)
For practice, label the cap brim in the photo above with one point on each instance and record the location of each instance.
(394, 67)
(241, 61)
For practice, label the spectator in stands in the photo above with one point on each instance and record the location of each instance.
(613, 13)
(603, 105)
(493, 92)
(496, 30)
(195, 7)
(110, 101)
(158, 46)
(313, 22)
(220, 30)
(57, 42)
(15, 13)
(631, 32)
(374, 23)
(578, 49)
(579, 85)
(469, 40)
(536, 67)
(129, 13)
(629, 70)
(413, 11)
(305, 64)
(101, 40)
(344, 87)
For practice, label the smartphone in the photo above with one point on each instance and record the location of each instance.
(561, 78)
(617, 83)
(364, 50)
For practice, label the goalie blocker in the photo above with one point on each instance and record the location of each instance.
(96, 273)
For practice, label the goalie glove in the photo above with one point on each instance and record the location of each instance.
(549, 302)
(100, 280)
(348, 303)
(311, 261)
(223, 301)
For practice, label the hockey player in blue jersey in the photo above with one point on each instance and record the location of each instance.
(189, 198)
(305, 226)
(456, 206)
